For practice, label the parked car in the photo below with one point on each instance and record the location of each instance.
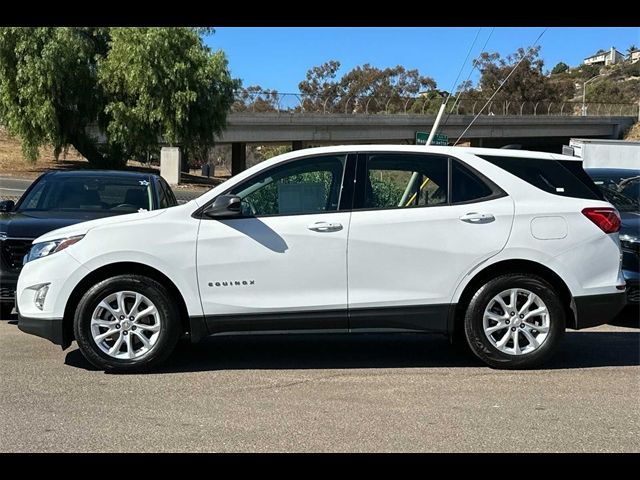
(621, 188)
(508, 248)
(57, 199)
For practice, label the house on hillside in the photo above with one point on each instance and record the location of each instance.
(634, 55)
(605, 57)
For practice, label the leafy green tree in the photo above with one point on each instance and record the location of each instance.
(632, 48)
(112, 93)
(265, 152)
(527, 84)
(560, 68)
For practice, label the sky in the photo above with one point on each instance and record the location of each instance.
(278, 57)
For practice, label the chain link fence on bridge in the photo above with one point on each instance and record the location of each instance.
(275, 102)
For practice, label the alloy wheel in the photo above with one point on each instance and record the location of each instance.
(125, 325)
(516, 321)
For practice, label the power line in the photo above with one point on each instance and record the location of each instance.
(502, 84)
(462, 66)
(443, 105)
(475, 65)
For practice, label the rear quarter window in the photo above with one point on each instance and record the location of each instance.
(563, 178)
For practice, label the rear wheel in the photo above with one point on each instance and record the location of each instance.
(127, 323)
(514, 321)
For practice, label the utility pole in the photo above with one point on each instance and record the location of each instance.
(436, 124)
(414, 176)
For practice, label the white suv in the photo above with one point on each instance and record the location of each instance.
(504, 248)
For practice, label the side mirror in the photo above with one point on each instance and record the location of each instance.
(7, 206)
(225, 206)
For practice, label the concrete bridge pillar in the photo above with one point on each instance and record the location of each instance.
(170, 160)
(238, 157)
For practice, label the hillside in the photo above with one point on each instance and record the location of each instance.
(620, 83)
(633, 133)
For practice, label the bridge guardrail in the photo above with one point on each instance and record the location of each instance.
(275, 102)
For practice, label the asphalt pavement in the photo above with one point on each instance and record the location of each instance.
(13, 187)
(321, 393)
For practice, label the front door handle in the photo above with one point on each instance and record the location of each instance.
(325, 227)
(475, 217)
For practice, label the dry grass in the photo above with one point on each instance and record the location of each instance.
(13, 163)
(633, 133)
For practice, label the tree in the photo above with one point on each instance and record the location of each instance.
(588, 71)
(560, 68)
(256, 99)
(527, 84)
(320, 85)
(632, 48)
(364, 88)
(112, 93)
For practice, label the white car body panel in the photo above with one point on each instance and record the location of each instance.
(379, 258)
(427, 251)
(163, 239)
(292, 268)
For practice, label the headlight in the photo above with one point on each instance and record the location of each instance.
(43, 249)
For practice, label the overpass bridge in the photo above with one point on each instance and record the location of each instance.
(313, 120)
(303, 129)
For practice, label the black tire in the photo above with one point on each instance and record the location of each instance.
(156, 293)
(485, 350)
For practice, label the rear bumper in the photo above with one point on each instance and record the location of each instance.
(633, 286)
(593, 310)
(49, 328)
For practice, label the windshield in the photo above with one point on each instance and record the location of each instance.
(101, 194)
(621, 190)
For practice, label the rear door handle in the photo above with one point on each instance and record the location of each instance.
(475, 217)
(325, 227)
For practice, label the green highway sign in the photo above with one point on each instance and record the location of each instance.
(438, 139)
(421, 138)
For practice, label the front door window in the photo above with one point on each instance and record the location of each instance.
(305, 186)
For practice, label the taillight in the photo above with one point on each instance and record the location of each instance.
(608, 219)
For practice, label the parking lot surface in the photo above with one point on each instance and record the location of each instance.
(304, 393)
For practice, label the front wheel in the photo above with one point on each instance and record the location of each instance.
(514, 321)
(127, 323)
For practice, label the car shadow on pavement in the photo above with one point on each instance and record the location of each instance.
(629, 317)
(332, 351)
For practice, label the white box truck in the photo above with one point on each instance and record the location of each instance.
(596, 153)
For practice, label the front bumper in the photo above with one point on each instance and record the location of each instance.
(49, 328)
(593, 310)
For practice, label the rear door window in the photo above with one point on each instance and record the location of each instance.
(466, 186)
(552, 176)
(398, 180)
